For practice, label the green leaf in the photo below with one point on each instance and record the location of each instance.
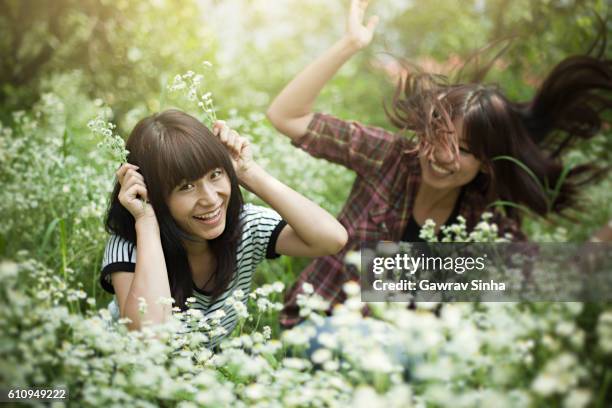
(47, 234)
(502, 203)
(562, 177)
(528, 171)
(523, 166)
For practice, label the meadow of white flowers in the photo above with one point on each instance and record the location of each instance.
(55, 329)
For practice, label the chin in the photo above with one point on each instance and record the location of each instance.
(213, 233)
(438, 182)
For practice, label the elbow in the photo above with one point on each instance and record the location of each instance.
(337, 241)
(292, 126)
(138, 326)
(132, 325)
(137, 323)
(273, 116)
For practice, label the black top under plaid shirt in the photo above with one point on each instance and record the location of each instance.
(380, 202)
(260, 229)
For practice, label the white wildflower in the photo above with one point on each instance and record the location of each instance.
(321, 355)
(142, 305)
(307, 288)
(351, 288)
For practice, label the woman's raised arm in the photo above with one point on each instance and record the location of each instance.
(291, 110)
(310, 231)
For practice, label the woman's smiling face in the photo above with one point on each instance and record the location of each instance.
(442, 171)
(199, 207)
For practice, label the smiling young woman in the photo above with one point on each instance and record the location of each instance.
(470, 147)
(179, 227)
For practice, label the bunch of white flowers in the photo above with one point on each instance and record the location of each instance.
(191, 84)
(111, 143)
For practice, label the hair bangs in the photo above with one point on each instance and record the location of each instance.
(188, 155)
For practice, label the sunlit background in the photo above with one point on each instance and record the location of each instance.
(65, 62)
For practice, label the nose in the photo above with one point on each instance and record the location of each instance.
(207, 194)
(444, 157)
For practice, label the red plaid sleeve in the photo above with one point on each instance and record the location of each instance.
(360, 148)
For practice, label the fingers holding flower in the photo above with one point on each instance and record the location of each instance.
(237, 146)
(133, 194)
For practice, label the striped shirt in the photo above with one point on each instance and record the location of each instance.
(260, 229)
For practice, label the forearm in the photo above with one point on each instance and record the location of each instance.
(318, 229)
(297, 98)
(150, 277)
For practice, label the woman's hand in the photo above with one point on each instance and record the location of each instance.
(292, 110)
(238, 148)
(133, 193)
(358, 33)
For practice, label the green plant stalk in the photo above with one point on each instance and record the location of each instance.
(555, 192)
(47, 236)
(529, 172)
(65, 138)
(257, 322)
(94, 282)
(511, 204)
(604, 388)
(64, 257)
(63, 249)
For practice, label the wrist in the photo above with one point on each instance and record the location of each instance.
(250, 178)
(350, 44)
(146, 223)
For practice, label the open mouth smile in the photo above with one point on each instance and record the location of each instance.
(439, 171)
(211, 217)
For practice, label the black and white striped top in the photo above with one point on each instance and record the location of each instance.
(260, 229)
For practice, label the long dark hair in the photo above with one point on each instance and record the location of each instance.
(519, 143)
(170, 147)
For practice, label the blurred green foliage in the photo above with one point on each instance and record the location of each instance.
(117, 57)
(124, 49)
(64, 62)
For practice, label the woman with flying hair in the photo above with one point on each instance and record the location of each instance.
(473, 146)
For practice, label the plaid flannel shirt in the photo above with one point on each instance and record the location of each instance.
(380, 202)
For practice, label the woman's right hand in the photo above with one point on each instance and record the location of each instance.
(133, 193)
(292, 110)
(358, 33)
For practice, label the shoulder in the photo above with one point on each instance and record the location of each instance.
(118, 249)
(326, 125)
(260, 229)
(321, 120)
(253, 215)
(119, 256)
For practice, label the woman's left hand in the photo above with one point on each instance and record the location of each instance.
(237, 146)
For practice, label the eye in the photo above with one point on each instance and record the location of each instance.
(216, 173)
(464, 150)
(186, 187)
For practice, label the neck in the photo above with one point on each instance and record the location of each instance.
(196, 248)
(193, 245)
(432, 197)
